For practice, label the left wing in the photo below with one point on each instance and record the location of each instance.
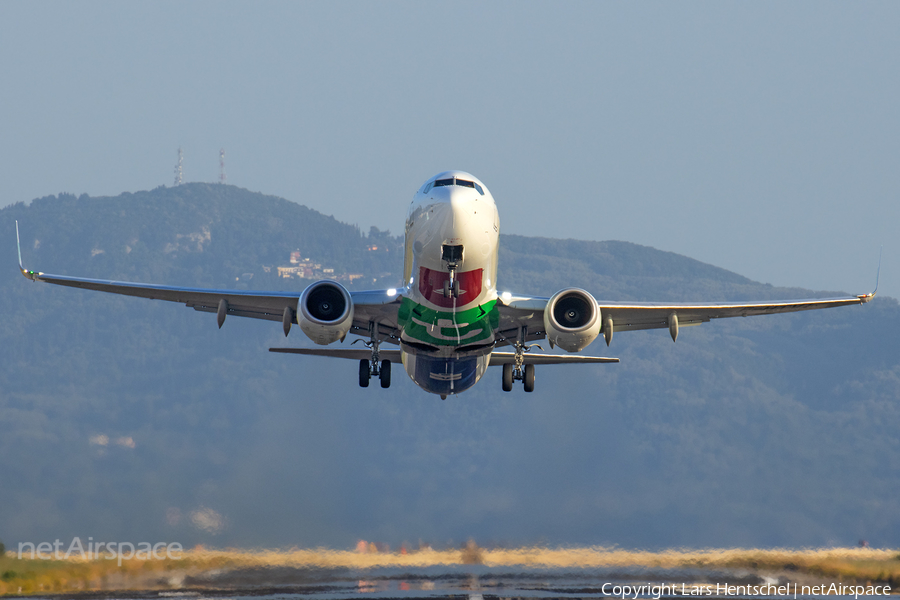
(378, 307)
(627, 316)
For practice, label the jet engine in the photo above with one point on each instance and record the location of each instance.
(572, 319)
(326, 312)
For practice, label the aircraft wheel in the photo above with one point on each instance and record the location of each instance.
(507, 378)
(363, 373)
(456, 288)
(529, 378)
(446, 288)
(385, 374)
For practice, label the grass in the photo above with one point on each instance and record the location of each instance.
(33, 576)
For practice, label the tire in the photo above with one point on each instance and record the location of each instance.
(446, 288)
(363, 373)
(385, 374)
(529, 378)
(507, 378)
(456, 288)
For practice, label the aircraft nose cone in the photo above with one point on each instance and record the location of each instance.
(460, 208)
(461, 201)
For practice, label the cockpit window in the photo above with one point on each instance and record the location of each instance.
(454, 181)
(428, 187)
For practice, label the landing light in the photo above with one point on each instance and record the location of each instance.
(506, 296)
(392, 292)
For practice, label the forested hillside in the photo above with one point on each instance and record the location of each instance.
(130, 419)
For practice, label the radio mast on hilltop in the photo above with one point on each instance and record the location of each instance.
(222, 177)
(178, 171)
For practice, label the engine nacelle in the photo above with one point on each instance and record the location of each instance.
(325, 312)
(572, 319)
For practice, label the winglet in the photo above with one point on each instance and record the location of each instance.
(29, 274)
(867, 297)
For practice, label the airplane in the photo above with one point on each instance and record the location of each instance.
(448, 320)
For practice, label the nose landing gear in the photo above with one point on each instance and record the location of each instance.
(451, 286)
(453, 256)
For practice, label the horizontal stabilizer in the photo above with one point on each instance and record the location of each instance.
(351, 353)
(497, 358)
(503, 358)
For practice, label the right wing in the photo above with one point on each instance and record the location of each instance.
(370, 307)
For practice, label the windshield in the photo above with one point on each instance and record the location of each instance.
(453, 181)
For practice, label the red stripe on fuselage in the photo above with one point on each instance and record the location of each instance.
(431, 285)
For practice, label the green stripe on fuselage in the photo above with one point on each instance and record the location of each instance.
(447, 328)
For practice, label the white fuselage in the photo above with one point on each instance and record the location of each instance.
(452, 234)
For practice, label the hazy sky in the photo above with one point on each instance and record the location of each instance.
(759, 137)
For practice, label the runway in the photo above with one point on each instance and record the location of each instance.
(463, 582)
(470, 573)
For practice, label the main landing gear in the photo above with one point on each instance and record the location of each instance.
(525, 375)
(369, 368)
(519, 371)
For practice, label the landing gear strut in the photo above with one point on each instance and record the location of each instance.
(374, 367)
(520, 371)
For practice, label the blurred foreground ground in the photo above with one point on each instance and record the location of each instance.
(469, 572)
